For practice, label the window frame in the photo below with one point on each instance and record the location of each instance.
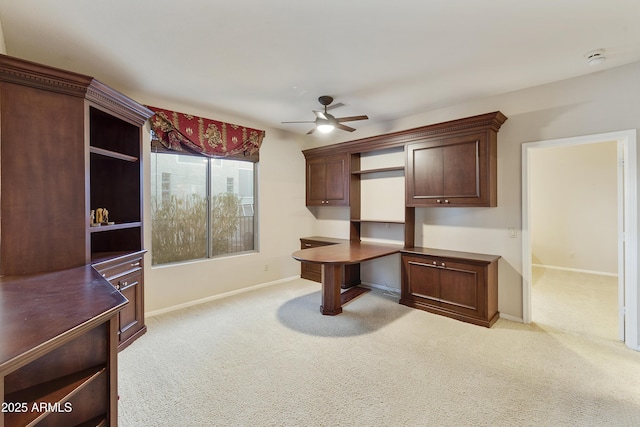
(212, 162)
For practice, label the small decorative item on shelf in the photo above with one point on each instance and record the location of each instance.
(100, 217)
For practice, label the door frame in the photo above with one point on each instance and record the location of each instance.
(627, 226)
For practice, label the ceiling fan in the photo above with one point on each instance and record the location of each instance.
(326, 122)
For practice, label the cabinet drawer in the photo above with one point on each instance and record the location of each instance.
(117, 267)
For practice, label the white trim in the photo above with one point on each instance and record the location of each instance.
(575, 270)
(389, 289)
(218, 296)
(626, 139)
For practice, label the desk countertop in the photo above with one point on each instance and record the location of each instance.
(346, 253)
(36, 311)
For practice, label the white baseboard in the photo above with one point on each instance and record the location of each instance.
(575, 270)
(218, 296)
(389, 289)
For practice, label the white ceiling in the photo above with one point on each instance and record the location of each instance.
(269, 60)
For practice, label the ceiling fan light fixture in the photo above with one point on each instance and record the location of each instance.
(325, 127)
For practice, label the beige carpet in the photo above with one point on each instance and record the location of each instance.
(269, 358)
(574, 302)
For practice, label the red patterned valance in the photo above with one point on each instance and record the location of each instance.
(184, 132)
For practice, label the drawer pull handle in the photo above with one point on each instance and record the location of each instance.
(135, 264)
(307, 245)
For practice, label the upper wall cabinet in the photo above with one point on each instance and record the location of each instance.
(328, 181)
(447, 164)
(456, 171)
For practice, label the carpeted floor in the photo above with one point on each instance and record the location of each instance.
(269, 358)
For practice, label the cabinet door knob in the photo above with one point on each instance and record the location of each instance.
(438, 201)
(443, 264)
(446, 201)
(435, 263)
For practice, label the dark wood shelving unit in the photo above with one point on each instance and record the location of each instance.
(69, 144)
(379, 170)
(112, 154)
(378, 221)
(449, 164)
(111, 227)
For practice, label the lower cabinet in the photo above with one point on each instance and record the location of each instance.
(311, 271)
(125, 273)
(460, 285)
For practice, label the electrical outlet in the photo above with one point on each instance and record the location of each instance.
(266, 267)
(513, 233)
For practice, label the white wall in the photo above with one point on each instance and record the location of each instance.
(604, 101)
(574, 207)
(3, 46)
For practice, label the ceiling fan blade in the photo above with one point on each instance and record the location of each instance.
(343, 127)
(351, 119)
(331, 107)
(306, 121)
(320, 114)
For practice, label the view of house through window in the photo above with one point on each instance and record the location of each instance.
(200, 207)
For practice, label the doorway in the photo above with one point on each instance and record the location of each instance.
(626, 232)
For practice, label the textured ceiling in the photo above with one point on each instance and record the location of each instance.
(268, 61)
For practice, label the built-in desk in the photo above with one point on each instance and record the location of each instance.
(58, 348)
(333, 258)
(460, 285)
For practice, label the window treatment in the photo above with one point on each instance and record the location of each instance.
(186, 133)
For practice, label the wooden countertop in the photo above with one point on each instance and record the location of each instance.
(39, 312)
(442, 253)
(346, 253)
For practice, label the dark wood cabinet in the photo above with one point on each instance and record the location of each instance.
(126, 274)
(456, 171)
(311, 271)
(327, 181)
(68, 144)
(448, 164)
(460, 285)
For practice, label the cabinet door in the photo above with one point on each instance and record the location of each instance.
(328, 181)
(462, 288)
(336, 183)
(131, 315)
(461, 173)
(422, 279)
(457, 171)
(426, 172)
(316, 178)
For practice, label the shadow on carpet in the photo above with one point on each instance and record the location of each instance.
(366, 314)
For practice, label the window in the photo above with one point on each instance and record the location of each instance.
(200, 207)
